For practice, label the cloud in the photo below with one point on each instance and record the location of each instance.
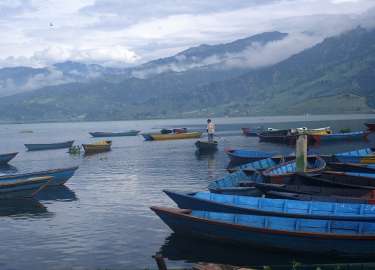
(10, 8)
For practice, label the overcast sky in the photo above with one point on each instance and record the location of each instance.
(113, 32)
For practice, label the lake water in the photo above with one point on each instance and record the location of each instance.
(101, 219)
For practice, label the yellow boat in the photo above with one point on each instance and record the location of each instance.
(368, 160)
(101, 146)
(176, 136)
(315, 131)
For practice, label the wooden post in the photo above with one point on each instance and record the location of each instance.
(301, 153)
(160, 261)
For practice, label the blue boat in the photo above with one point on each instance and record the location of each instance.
(59, 176)
(237, 183)
(147, 136)
(22, 188)
(321, 236)
(242, 156)
(258, 165)
(283, 170)
(48, 146)
(363, 156)
(272, 207)
(5, 158)
(347, 136)
(115, 134)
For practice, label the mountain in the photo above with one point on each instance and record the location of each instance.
(334, 76)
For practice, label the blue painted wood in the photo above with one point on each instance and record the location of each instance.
(5, 158)
(348, 136)
(48, 146)
(115, 134)
(259, 165)
(274, 207)
(22, 188)
(230, 184)
(240, 156)
(354, 156)
(59, 176)
(329, 237)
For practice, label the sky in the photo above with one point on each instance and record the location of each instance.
(128, 32)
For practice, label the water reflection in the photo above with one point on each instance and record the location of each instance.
(58, 193)
(8, 169)
(211, 162)
(22, 208)
(192, 250)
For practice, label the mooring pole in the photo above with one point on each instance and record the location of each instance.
(301, 153)
(160, 261)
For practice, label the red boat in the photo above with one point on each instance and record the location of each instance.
(370, 126)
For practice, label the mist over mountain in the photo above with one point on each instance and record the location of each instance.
(267, 74)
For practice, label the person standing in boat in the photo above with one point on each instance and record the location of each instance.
(210, 130)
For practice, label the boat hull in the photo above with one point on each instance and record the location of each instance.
(239, 157)
(219, 228)
(349, 136)
(5, 158)
(176, 136)
(48, 146)
(204, 146)
(22, 188)
(370, 126)
(59, 176)
(97, 148)
(114, 134)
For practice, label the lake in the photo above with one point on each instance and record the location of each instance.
(101, 219)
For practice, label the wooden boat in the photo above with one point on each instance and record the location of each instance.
(363, 156)
(314, 131)
(278, 173)
(348, 136)
(22, 188)
(339, 179)
(321, 236)
(147, 136)
(175, 136)
(59, 176)
(206, 146)
(5, 158)
(249, 132)
(351, 167)
(281, 136)
(242, 156)
(320, 198)
(259, 165)
(370, 126)
(207, 201)
(115, 134)
(48, 146)
(238, 183)
(98, 147)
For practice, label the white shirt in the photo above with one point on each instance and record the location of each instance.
(211, 128)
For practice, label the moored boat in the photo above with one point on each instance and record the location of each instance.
(115, 134)
(22, 188)
(59, 176)
(370, 126)
(5, 158)
(351, 167)
(98, 147)
(48, 146)
(251, 132)
(363, 156)
(348, 136)
(207, 201)
(175, 136)
(329, 237)
(259, 165)
(242, 156)
(206, 146)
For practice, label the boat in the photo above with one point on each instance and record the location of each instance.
(351, 167)
(115, 134)
(175, 136)
(242, 156)
(237, 183)
(22, 188)
(348, 136)
(284, 170)
(59, 176)
(98, 147)
(320, 236)
(147, 136)
(314, 131)
(279, 136)
(206, 146)
(259, 165)
(320, 198)
(207, 201)
(5, 158)
(251, 132)
(339, 179)
(48, 146)
(363, 156)
(370, 126)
